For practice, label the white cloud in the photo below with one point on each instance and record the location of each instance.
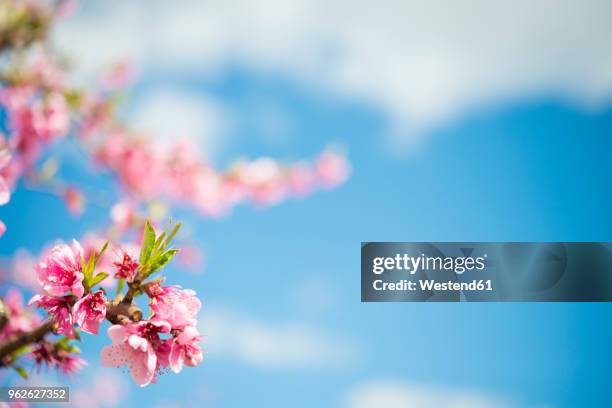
(421, 63)
(169, 113)
(402, 394)
(286, 346)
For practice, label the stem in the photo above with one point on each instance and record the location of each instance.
(3, 315)
(124, 311)
(23, 339)
(121, 313)
(129, 295)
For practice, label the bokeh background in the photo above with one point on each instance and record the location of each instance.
(482, 121)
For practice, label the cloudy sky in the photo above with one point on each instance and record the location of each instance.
(420, 64)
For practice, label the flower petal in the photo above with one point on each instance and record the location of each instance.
(5, 192)
(139, 369)
(116, 355)
(137, 342)
(116, 332)
(176, 358)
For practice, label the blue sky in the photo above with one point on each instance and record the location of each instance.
(281, 294)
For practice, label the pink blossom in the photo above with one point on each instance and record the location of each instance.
(51, 117)
(185, 350)
(148, 171)
(50, 355)
(70, 364)
(61, 271)
(6, 178)
(126, 269)
(332, 169)
(263, 181)
(177, 306)
(214, 196)
(90, 311)
(5, 190)
(47, 71)
(123, 215)
(19, 320)
(301, 179)
(75, 201)
(137, 164)
(95, 114)
(135, 345)
(33, 122)
(59, 309)
(23, 266)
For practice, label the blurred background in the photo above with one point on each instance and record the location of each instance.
(471, 121)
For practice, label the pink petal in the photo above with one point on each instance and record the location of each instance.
(176, 358)
(138, 342)
(151, 359)
(139, 367)
(116, 355)
(5, 192)
(35, 299)
(77, 286)
(5, 158)
(188, 334)
(117, 333)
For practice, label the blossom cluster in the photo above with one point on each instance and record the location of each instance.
(177, 172)
(73, 295)
(42, 107)
(39, 108)
(18, 319)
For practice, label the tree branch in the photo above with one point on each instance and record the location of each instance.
(23, 339)
(121, 313)
(3, 314)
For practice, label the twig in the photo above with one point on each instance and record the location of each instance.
(23, 339)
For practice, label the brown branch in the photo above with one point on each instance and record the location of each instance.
(19, 340)
(3, 314)
(123, 312)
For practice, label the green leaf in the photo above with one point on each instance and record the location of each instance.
(162, 260)
(148, 240)
(98, 278)
(62, 343)
(21, 371)
(88, 271)
(158, 242)
(99, 254)
(172, 233)
(20, 352)
(83, 264)
(73, 349)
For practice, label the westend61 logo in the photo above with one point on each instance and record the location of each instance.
(486, 271)
(413, 264)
